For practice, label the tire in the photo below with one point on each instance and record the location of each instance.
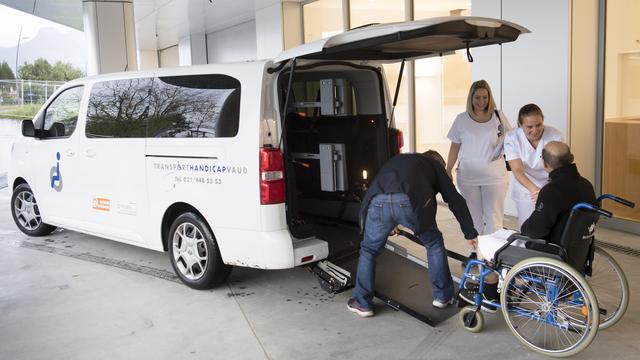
(478, 319)
(194, 253)
(26, 212)
(610, 286)
(549, 307)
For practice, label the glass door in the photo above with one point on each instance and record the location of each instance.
(621, 130)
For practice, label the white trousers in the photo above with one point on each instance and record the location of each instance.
(486, 205)
(525, 209)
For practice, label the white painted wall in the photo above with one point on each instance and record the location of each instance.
(269, 31)
(237, 43)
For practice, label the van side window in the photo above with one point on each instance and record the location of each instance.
(61, 116)
(195, 106)
(120, 108)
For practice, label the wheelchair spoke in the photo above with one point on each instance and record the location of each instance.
(544, 306)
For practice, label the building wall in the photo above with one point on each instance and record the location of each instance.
(237, 43)
(535, 68)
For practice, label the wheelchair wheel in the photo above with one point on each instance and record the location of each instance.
(477, 319)
(610, 286)
(549, 307)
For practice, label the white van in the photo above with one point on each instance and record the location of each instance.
(231, 164)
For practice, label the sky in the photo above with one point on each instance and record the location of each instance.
(36, 40)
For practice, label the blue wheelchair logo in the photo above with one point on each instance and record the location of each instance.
(55, 175)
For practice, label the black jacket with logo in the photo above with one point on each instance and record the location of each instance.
(421, 178)
(565, 189)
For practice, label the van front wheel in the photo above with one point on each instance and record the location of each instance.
(26, 213)
(194, 253)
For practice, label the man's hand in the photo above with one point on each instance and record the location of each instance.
(395, 231)
(473, 243)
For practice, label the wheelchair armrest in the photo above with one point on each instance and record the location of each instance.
(561, 251)
(510, 240)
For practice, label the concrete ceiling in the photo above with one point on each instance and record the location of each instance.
(159, 23)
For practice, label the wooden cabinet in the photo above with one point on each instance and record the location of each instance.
(621, 165)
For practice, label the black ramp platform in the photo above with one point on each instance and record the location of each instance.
(404, 285)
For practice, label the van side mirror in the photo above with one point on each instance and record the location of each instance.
(27, 128)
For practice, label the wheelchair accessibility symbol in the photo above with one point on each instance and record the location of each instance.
(55, 175)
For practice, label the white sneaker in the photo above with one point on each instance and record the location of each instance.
(441, 304)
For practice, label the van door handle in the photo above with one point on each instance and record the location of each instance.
(70, 152)
(90, 153)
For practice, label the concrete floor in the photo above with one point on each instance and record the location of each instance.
(73, 296)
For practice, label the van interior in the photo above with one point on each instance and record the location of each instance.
(336, 137)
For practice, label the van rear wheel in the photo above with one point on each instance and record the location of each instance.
(26, 213)
(194, 253)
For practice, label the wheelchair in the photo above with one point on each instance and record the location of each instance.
(554, 298)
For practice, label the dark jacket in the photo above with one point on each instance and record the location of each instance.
(565, 189)
(421, 178)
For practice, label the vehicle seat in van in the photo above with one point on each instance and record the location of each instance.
(57, 130)
(229, 120)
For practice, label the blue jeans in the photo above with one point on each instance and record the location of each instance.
(384, 213)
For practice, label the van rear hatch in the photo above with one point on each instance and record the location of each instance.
(408, 40)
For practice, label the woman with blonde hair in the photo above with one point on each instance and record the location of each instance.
(477, 137)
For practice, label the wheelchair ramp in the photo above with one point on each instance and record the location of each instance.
(403, 284)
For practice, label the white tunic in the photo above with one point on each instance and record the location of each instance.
(480, 159)
(517, 146)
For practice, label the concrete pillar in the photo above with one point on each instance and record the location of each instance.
(192, 50)
(109, 27)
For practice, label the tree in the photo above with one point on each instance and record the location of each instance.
(6, 72)
(39, 70)
(65, 72)
(42, 70)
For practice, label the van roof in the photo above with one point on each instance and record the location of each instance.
(175, 71)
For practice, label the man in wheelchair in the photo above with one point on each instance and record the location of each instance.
(543, 230)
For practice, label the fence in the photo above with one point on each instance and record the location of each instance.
(20, 92)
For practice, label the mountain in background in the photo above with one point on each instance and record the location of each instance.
(53, 46)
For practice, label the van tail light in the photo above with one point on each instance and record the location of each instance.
(400, 141)
(271, 176)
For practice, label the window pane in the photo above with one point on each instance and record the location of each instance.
(442, 84)
(119, 108)
(365, 12)
(61, 116)
(322, 19)
(177, 106)
(621, 151)
(195, 106)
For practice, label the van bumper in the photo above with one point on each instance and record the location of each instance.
(268, 249)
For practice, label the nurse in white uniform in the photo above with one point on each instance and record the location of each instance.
(523, 150)
(477, 137)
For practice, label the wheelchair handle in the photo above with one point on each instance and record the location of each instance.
(617, 199)
(589, 207)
